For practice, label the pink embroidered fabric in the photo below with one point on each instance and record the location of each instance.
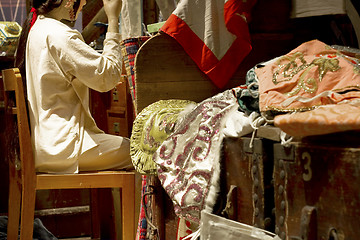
(323, 120)
(311, 75)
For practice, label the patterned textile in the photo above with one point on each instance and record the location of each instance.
(150, 128)
(142, 224)
(189, 159)
(248, 95)
(185, 228)
(214, 33)
(319, 87)
(323, 120)
(311, 75)
(129, 48)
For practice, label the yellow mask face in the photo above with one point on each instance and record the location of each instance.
(150, 128)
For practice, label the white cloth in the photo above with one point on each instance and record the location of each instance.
(60, 69)
(309, 8)
(214, 33)
(238, 124)
(131, 19)
(166, 7)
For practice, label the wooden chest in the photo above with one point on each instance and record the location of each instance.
(250, 170)
(317, 191)
(246, 186)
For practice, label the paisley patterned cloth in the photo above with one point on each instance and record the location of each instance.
(189, 159)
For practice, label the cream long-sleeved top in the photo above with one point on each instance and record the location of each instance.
(60, 69)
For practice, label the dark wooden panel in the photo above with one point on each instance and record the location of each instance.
(250, 170)
(317, 190)
(5, 63)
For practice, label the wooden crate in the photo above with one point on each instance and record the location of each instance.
(317, 191)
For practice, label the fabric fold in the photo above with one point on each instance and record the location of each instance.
(213, 33)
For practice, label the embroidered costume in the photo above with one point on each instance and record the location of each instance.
(318, 84)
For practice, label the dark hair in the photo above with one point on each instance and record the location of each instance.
(42, 7)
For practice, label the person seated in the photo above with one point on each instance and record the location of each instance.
(59, 69)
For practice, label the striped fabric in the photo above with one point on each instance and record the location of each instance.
(129, 48)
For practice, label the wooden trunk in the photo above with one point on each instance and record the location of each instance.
(317, 191)
(246, 188)
(249, 170)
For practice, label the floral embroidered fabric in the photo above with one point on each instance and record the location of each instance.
(318, 84)
(311, 75)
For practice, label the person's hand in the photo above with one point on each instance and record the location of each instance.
(112, 9)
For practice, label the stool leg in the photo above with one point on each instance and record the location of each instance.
(128, 208)
(27, 211)
(94, 211)
(14, 208)
(117, 199)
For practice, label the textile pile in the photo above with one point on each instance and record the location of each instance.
(312, 90)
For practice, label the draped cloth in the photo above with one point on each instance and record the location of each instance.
(189, 159)
(311, 75)
(316, 85)
(214, 33)
(130, 19)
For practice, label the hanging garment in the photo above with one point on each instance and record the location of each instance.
(213, 33)
(129, 49)
(131, 19)
(309, 8)
(166, 7)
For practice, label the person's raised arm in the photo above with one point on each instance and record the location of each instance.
(112, 9)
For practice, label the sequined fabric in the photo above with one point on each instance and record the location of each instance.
(311, 75)
(150, 128)
(189, 159)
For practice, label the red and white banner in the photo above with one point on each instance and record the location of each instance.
(214, 33)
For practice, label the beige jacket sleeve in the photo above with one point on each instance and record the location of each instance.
(97, 71)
